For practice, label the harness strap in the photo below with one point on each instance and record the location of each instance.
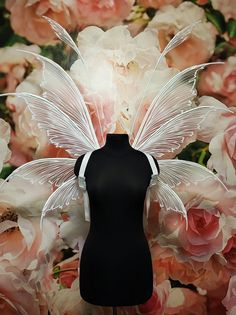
(153, 180)
(82, 182)
(82, 185)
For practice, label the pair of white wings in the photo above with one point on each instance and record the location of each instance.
(169, 124)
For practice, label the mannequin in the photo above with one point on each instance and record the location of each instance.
(116, 265)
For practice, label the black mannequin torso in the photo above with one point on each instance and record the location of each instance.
(116, 266)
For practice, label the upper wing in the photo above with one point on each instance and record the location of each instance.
(175, 97)
(168, 199)
(47, 170)
(59, 88)
(63, 35)
(176, 133)
(61, 129)
(179, 38)
(175, 172)
(61, 197)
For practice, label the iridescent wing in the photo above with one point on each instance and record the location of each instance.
(178, 39)
(168, 199)
(174, 134)
(61, 197)
(62, 131)
(63, 35)
(47, 170)
(176, 172)
(175, 97)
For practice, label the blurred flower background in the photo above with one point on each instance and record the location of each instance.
(194, 270)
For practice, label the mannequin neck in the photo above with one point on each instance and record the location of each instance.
(117, 143)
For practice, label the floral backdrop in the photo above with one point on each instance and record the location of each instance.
(194, 270)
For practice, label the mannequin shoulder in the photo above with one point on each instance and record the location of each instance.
(78, 164)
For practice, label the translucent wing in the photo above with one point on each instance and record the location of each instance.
(61, 91)
(63, 35)
(61, 197)
(61, 130)
(175, 97)
(168, 199)
(175, 172)
(178, 39)
(176, 133)
(48, 170)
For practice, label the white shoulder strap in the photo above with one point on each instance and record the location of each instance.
(82, 184)
(84, 163)
(152, 163)
(153, 180)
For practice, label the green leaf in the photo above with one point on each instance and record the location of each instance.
(2, 4)
(231, 28)
(196, 152)
(217, 19)
(223, 50)
(7, 170)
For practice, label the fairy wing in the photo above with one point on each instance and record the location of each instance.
(61, 130)
(179, 38)
(175, 134)
(175, 97)
(176, 172)
(167, 198)
(61, 197)
(47, 170)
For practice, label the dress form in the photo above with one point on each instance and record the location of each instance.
(115, 266)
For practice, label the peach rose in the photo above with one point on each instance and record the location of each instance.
(18, 296)
(229, 253)
(222, 140)
(229, 300)
(5, 153)
(14, 64)
(227, 7)
(200, 45)
(157, 303)
(68, 273)
(21, 241)
(157, 4)
(103, 13)
(184, 302)
(219, 81)
(208, 227)
(26, 18)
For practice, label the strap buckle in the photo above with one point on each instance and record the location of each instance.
(82, 182)
(154, 179)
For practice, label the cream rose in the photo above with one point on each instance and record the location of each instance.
(198, 48)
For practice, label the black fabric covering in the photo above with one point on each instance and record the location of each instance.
(116, 266)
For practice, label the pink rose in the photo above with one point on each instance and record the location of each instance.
(183, 301)
(208, 226)
(229, 252)
(18, 296)
(157, 4)
(219, 81)
(222, 139)
(68, 273)
(5, 153)
(227, 7)
(200, 45)
(26, 18)
(157, 303)
(21, 240)
(14, 64)
(229, 300)
(103, 13)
